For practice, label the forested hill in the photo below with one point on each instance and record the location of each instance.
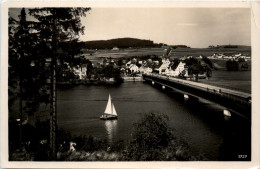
(120, 43)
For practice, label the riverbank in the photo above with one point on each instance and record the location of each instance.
(164, 147)
(131, 79)
(100, 82)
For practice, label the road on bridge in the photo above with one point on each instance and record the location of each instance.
(205, 87)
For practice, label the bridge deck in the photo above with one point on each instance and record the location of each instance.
(238, 102)
(204, 86)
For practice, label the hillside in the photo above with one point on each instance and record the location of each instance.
(120, 43)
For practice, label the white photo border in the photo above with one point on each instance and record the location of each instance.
(255, 43)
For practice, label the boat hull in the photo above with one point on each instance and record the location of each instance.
(108, 118)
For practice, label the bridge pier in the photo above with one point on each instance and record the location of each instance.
(163, 87)
(227, 114)
(186, 97)
(190, 98)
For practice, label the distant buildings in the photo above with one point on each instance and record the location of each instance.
(177, 71)
(164, 66)
(133, 68)
(235, 57)
(80, 71)
(115, 49)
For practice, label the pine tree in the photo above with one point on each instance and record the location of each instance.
(19, 57)
(54, 26)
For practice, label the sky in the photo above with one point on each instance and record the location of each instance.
(199, 27)
(194, 27)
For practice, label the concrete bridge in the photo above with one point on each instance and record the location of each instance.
(233, 100)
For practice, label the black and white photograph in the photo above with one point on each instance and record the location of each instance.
(129, 84)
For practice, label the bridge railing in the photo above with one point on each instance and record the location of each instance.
(209, 83)
(208, 89)
(227, 87)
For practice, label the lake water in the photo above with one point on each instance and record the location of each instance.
(200, 124)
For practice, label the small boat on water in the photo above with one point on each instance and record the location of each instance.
(110, 111)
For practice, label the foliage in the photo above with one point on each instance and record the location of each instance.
(22, 54)
(207, 61)
(195, 67)
(191, 61)
(12, 64)
(32, 136)
(152, 139)
(89, 143)
(232, 65)
(175, 63)
(31, 43)
(120, 43)
(179, 46)
(106, 71)
(151, 134)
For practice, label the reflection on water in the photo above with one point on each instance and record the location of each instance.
(197, 122)
(111, 129)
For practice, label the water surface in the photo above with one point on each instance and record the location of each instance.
(200, 124)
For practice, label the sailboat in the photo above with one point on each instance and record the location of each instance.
(110, 111)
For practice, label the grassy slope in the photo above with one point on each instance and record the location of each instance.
(179, 52)
(160, 51)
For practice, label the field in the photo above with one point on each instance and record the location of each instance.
(95, 55)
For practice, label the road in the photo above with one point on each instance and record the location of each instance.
(205, 87)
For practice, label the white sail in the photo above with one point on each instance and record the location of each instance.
(114, 110)
(109, 106)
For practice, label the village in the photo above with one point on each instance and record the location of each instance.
(131, 68)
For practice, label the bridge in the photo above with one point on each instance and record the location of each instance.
(235, 101)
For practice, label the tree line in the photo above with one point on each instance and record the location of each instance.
(120, 43)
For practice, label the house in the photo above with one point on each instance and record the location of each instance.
(128, 64)
(239, 54)
(140, 62)
(164, 66)
(156, 62)
(179, 69)
(134, 68)
(145, 69)
(80, 71)
(200, 57)
(115, 48)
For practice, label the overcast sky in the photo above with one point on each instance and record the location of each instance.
(198, 27)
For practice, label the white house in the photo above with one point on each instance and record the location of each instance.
(145, 69)
(177, 71)
(140, 62)
(164, 66)
(80, 71)
(115, 48)
(239, 54)
(134, 68)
